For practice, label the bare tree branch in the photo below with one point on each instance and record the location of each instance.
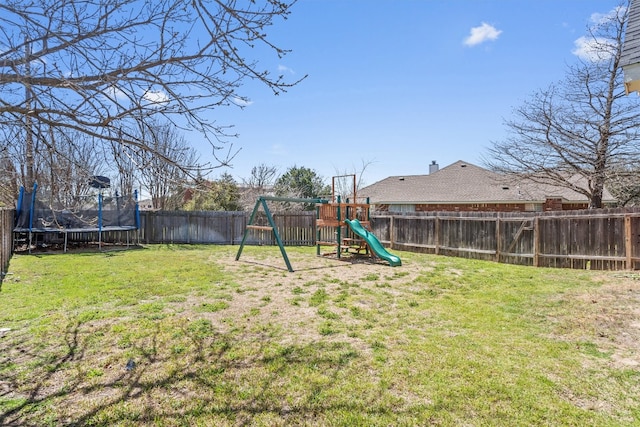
(98, 67)
(576, 133)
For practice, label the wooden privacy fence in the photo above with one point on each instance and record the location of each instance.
(607, 239)
(295, 227)
(6, 239)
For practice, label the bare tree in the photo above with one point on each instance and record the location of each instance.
(624, 184)
(9, 174)
(62, 162)
(62, 166)
(162, 168)
(98, 66)
(125, 163)
(262, 177)
(577, 133)
(343, 179)
(258, 184)
(66, 167)
(8, 181)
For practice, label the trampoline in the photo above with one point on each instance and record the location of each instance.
(93, 213)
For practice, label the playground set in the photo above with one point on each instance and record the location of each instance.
(344, 226)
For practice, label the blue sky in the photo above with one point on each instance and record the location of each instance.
(397, 84)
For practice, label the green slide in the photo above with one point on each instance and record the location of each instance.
(373, 242)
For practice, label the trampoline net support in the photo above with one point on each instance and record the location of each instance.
(80, 214)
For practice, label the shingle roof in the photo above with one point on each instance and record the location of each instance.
(631, 47)
(463, 182)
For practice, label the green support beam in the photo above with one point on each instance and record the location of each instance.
(262, 201)
(293, 200)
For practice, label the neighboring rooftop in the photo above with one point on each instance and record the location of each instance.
(464, 182)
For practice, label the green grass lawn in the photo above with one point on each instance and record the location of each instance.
(186, 335)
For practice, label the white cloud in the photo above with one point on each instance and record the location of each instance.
(285, 69)
(155, 97)
(615, 13)
(593, 49)
(481, 34)
(242, 102)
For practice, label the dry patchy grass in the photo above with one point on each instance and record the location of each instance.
(189, 336)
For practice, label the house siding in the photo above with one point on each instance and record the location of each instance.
(549, 205)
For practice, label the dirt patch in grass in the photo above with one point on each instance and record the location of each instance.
(612, 312)
(602, 321)
(295, 300)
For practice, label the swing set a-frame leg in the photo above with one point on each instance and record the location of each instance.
(272, 225)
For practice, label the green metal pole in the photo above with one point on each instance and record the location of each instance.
(317, 231)
(294, 200)
(262, 200)
(272, 223)
(339, 232)
(369, 221)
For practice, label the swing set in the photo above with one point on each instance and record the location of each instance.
(331, 217)
(262, 201)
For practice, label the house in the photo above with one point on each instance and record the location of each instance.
(630, 58)
(463, 186)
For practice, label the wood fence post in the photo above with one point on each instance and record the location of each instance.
(391, 232)
(536, 241)
(149, 227)
(498, 240)
(189, 216)
(437, 232)
(628, 242)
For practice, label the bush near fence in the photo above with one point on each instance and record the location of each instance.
(603, 239)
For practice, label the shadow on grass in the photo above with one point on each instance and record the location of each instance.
(202, 376)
